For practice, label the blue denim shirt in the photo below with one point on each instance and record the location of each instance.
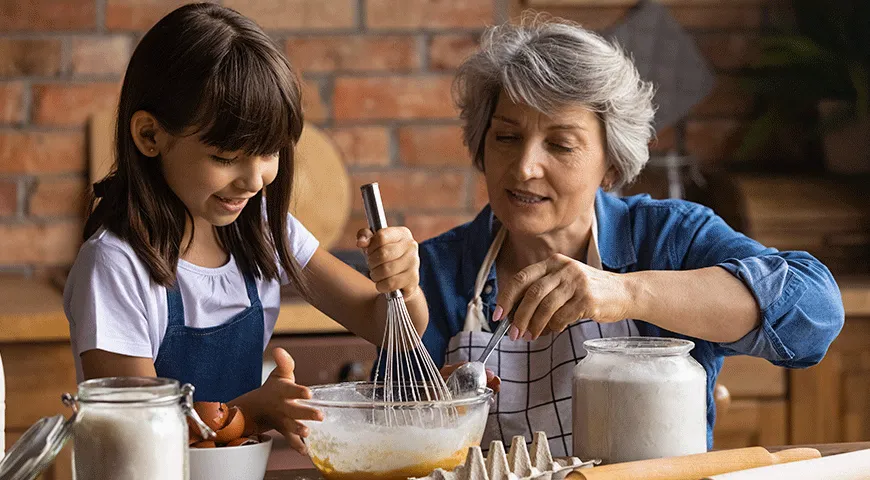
(800, 303)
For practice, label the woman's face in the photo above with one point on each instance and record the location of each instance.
(542, 171)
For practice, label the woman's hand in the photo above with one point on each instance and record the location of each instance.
(553, 294)
(492, 381)
(273, 405)
(393, 259)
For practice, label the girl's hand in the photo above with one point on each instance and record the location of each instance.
(492, 381)
(393, 260)
(273, 405)
(559, 291)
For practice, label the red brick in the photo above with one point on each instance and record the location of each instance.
(736, 17)
(8, 198)
(47, 14)
(446, 52)
(481, 196)
(58, 197)
(353, 53)
(362, 146)
(424, 227)
(40, 244)
(394, 97)
(593, 18)
(713, 141)
(403, 190)
(428, 13)
(298, 14)
(72, 104)
(313, 105)
(41, 152)
(357, 221)
(729, 51)
(19, 57)
(137, 14)
(101, 55)
(728, 98)
(12, 102)
(652, 180)
(433, 146)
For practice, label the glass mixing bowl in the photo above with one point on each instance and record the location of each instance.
(364, 438)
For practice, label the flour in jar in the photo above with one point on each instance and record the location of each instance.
(631, 407)
(114, 442)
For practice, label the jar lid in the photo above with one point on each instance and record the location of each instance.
(37, 448)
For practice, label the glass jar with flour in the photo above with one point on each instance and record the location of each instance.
(124, 428)
(639, 398)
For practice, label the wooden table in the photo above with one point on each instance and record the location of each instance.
(825, 449)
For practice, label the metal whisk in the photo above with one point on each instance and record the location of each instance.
(409, 373)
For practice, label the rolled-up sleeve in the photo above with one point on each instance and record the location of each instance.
(798, 298)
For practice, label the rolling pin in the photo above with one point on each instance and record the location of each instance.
(845, 466)
(693, 467)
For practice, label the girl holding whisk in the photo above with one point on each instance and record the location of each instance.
(190, 240)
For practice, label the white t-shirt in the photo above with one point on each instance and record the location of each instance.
(112, 304)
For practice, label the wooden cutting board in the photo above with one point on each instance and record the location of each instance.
(321, 190)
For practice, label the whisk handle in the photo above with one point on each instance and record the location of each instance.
(374, 207)
(375, 215)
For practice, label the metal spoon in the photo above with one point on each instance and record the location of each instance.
(470, 378)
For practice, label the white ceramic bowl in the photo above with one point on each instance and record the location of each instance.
(247, 462)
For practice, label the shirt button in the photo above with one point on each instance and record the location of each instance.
(487, 289)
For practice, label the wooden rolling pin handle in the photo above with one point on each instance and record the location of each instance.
(795, 455)
(693, 467)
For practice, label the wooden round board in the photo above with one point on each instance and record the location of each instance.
(321, 189)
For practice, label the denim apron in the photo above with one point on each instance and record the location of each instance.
(222, 362)
(536, 377)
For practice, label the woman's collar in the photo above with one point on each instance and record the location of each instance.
(615, 239)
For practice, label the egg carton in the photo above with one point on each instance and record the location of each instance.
(519, 463)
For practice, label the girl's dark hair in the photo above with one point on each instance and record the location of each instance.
(210, 68)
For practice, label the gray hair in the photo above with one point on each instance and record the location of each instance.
(550, 63)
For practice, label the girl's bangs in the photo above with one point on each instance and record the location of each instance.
(247, 105)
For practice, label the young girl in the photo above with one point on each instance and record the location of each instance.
(190, 240)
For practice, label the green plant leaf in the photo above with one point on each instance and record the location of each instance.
(757, 135)
(792, 49)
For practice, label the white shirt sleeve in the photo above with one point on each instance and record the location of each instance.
(105, 302)
(303, 244)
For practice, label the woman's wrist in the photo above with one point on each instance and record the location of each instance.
(634, 296)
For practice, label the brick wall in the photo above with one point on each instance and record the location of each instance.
(377, 77)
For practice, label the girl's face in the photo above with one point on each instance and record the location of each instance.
(214, 185)
(542, 172)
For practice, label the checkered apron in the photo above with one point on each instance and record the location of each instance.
(536, 377)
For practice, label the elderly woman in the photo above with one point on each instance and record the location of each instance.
(555, 117)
